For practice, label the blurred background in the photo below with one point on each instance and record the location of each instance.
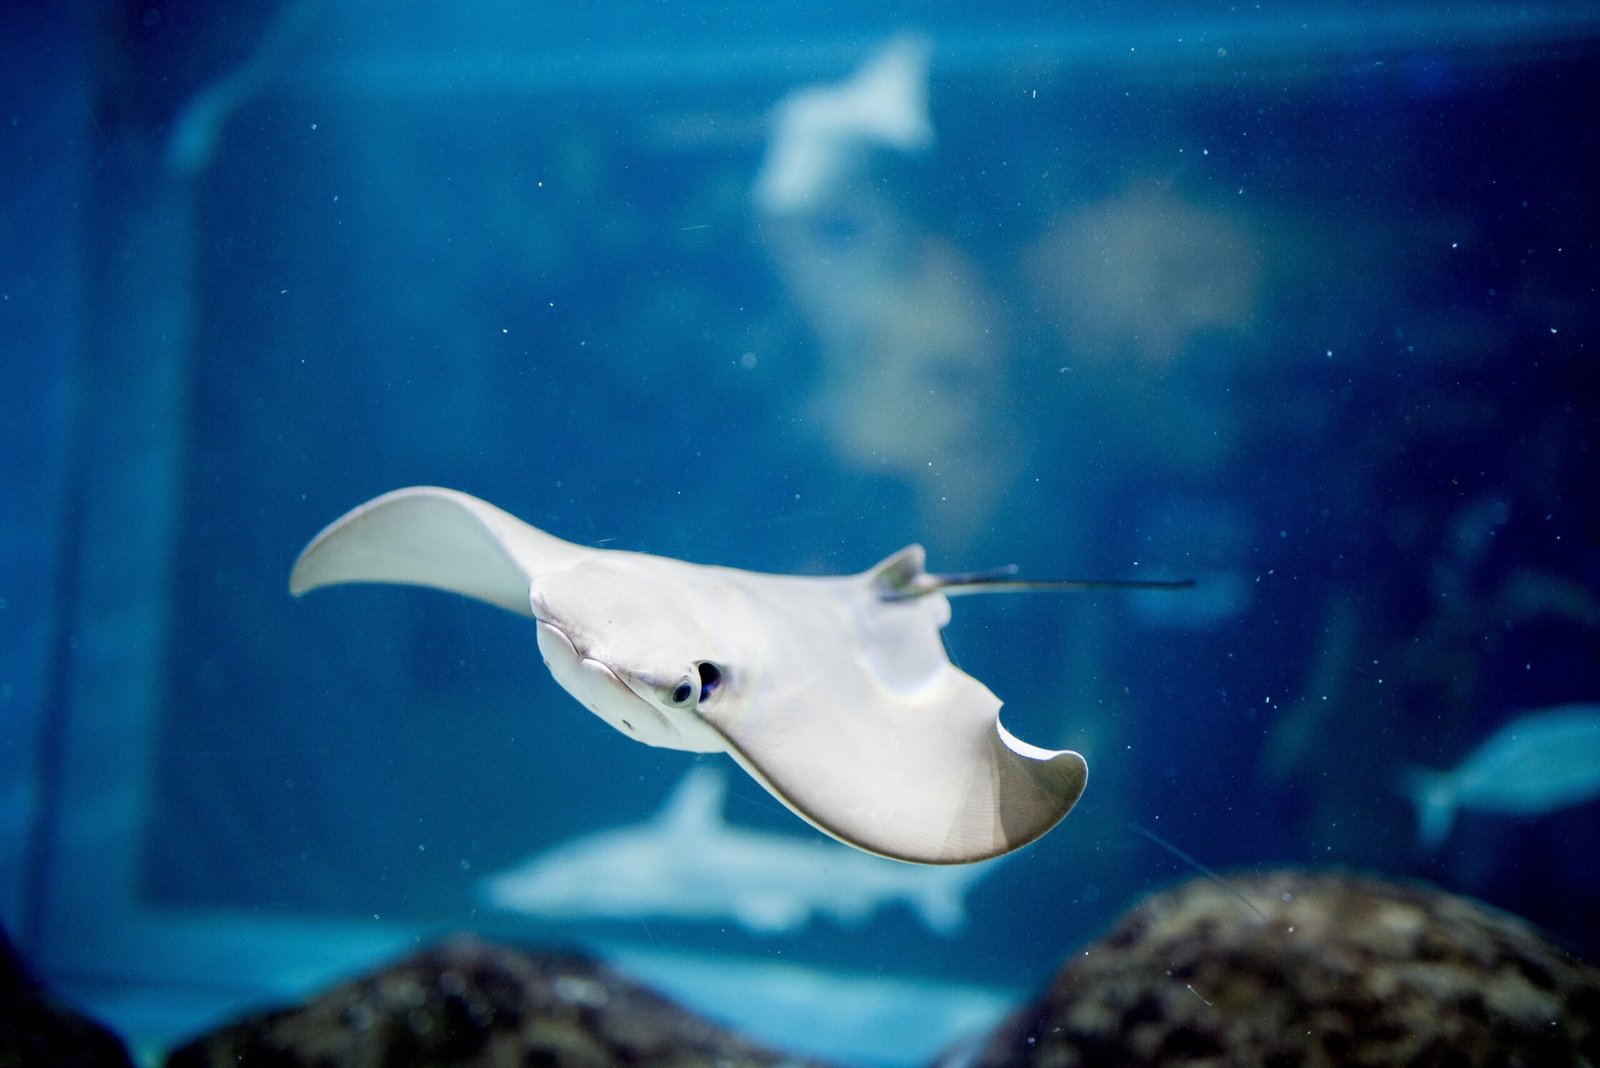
(1298, 303)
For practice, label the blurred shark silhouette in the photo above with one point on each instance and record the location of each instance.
(688, 864)
(820, 131)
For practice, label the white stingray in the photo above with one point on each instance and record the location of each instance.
(835, 692)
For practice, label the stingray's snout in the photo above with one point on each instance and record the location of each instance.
(603, 692)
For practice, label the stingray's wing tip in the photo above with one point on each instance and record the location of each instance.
(318, 565)
(425, 536)
(1060, 773)
(1030, 791)
(1035, 789)
(1026, 807)
(1068, 774)
(309, 572)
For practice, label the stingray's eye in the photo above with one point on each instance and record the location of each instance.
(710, 679)
(683, 693)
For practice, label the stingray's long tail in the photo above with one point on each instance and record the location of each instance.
(1005, 580)
(1001, 581)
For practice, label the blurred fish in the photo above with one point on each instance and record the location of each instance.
(819, 131)
(687, 863)
(1535, 764)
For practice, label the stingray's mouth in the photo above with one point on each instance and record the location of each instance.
(601, 690)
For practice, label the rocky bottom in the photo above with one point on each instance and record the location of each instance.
(1292, 968)
(1282, 969)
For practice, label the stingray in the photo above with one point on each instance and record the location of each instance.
(834, 692)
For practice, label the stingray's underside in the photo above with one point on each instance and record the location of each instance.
(840, 699)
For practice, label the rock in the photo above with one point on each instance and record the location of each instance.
(37, 1032)
(1317, 969)
(468, 1002)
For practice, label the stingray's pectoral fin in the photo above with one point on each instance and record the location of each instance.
(935, 781)
(427, 536)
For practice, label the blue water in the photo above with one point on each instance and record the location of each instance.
(1303, 308)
